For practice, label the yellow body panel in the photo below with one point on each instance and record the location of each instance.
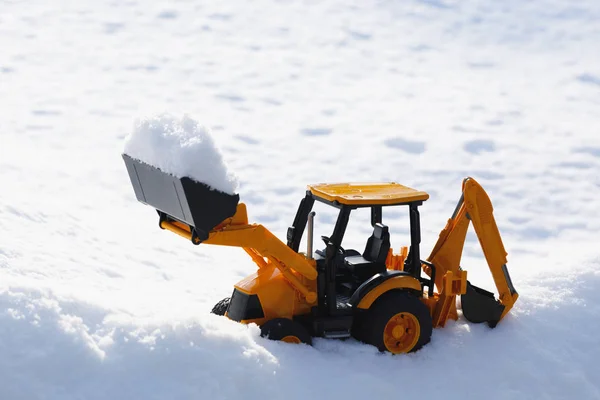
(367, 193)
(277, 297)
(399, 282)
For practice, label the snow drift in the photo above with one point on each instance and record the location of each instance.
(181, 147)
(547, 348)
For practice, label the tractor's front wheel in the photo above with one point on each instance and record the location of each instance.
(397, 322)
(221, 307)
(285, 330)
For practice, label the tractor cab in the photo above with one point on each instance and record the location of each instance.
(344, 275)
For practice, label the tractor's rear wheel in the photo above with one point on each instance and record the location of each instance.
(397, 322)
(221, 307)
(285, 330)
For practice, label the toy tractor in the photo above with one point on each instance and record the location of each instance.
(384, 299)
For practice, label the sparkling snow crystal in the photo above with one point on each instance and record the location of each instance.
(181, 147)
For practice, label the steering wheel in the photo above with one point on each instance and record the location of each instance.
(326, 239)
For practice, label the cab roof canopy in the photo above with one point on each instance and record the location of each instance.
(366, 194)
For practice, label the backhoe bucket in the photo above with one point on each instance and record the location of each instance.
(183, 199)
(479, 305)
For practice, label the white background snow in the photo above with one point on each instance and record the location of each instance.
(97, 302)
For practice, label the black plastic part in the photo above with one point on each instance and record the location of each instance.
(458, 205)
(414, 265)
(372, 261)
(340, 226)
(378, 244)
(278, 328)
(479, 305)
(372, 283)
(221, 307)
(321, 282)
(334, 203)
(319, 326)
(376, 215)
(331, 251)
(332, 324)
(512, 289)
(244, 306)
(330, 279)
(183, 199)
(295, 232)
(362, 269)
(431, 281)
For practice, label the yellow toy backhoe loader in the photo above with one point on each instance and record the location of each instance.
(381, 298)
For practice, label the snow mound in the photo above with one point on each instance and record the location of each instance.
(181, 147)
(67, 349)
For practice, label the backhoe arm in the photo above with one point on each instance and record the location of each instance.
(481, 212)
(478, 305)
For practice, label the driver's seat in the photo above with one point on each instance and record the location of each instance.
(373, 259)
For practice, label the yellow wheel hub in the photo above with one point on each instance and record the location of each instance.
(291, 339)
(401, 333)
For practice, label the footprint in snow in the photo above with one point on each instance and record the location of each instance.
(589, 79)
(247, 139)
(409, 146)
(168, 14)
(593, 151)
(316, 131)
(479, 146)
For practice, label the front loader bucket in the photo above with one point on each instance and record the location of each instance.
(191, 202)
(479, 305)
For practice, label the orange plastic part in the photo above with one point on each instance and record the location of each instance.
(265, 249)
(395, 262)
(398, 282)
(278, 298)
(401, 333)
(367, 193)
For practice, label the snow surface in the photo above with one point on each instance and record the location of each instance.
(180, 146)
(97, 302)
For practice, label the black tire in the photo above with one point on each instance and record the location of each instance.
(359, 325)
(221, 307)
(395, 304)
(282, 328)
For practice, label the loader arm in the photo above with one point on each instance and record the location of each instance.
(478, 305)
(201, 214)
(259, 243)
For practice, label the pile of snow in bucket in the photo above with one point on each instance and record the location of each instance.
(181, 147)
